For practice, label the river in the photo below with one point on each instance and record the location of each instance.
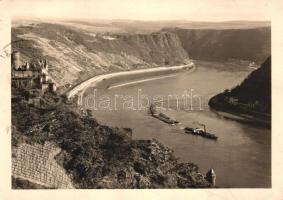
(241, 157)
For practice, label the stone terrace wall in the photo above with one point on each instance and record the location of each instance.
(36, 163)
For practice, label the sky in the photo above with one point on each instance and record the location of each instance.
(191, 10)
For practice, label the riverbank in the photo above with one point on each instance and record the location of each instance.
(244, 116)
(94, 80)
(251, 99)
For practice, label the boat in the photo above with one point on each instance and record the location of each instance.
(200, 132)
(161, 116)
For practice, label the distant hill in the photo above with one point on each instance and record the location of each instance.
(139, 26)
(252, 44)
(252, 96)
(136, 26)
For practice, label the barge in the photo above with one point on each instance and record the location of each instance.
(161, 116)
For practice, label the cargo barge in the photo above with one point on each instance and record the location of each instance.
(161, 116)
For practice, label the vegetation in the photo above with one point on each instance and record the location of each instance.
(99, 156)
(256, 87)
(252, 96)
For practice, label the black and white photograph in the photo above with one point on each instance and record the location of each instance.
(140, 94)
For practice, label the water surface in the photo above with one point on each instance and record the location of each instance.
(242, 155)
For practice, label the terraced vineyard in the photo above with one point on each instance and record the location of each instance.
(36, 164)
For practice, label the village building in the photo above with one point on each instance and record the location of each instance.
(233, 101)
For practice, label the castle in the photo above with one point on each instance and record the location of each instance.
(31, 75)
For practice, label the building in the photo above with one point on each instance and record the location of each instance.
(211, 177)
(233, 101)
(30, 75)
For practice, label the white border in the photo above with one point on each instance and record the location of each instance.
(276, 192)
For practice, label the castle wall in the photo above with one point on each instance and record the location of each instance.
(23, 83)
(30, 76)
(22, 74)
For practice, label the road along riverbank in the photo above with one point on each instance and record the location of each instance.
(94, 80)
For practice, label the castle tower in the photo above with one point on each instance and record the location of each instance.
(45, 64)
(211, 177)
(15, 60)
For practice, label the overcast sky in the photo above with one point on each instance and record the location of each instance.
(192, 10)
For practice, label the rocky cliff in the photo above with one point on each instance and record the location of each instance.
(73, 51)
(252, 44)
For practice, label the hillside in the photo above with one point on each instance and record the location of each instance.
(74, 52)
(252, 44)
(93, 155)
(77, 50)
(257, 86)
(252, 96)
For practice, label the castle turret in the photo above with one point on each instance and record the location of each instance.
(211, 177)
(16, 60)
